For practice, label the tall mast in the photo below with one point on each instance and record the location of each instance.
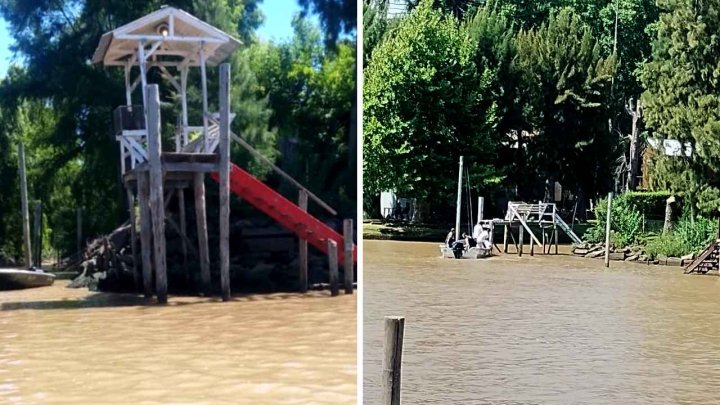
(459, 199)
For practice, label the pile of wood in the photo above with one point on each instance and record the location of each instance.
(104, 256)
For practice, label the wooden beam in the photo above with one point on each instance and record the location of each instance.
(333, 267)
(203, 82)
(25, 214)
(201, 219)
(349, 268)
(133, 37)
(157, 201)
(145, 232)
(392, 360)
(224, 180)
(303, 247)
(37, 235)
(133, 236)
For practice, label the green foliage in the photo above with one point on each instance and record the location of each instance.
(687, 236)
(426, 103)
(625, 222)
(648, 202)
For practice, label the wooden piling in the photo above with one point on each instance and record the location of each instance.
(157, 201)
(607, 231)
(183, 232)
(333, 265)
(25, 214)
(521, 237)
(201, 220)
(133, 237)
(224, 181)
(145, 232)
(532, 246)
(78, 227)
(37, 235)
(303, 247)
(348, 250)
(392, 360)
(505, 239)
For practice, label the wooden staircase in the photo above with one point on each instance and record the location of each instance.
(706, 261)
(285, 212)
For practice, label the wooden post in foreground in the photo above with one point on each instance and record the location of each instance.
(224, 180)
(303, 247)
(24, 206)
(521, 236)
(349, 264)
(392, 360)
(157, 200)
(333, 263)
(201, 220)
(607, 231)
(37, 232)
(145, 232)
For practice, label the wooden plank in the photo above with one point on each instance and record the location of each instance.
(190, 167)
(145, 232)
(37, 235)
(392, 360)
(224, 181)
(303, 247)
(349, 268)
(25, 214)
(201, 220)
(157, 200)
(333, 267)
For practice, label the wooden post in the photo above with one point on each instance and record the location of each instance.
(203, 81)
(78, 224)
(556, 238)
(199, 185)
(333, 264)
(224, 181)
(607, 231)
(25, 214)
(459, 201)
(521, 236)
(157, 200)
(37, 233)
(303, 246)
(481, 208)
(145, 232)
(183, 232)
(349, 264)
(532, 246)
(505, 239)
(392, 360)
(133, 237)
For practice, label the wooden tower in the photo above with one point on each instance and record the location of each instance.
(171, 41)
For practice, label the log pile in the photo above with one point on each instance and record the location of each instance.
(629, 254)
(108, 255)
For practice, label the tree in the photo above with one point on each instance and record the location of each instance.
(426, 104)
(682, 98)
(565, 92)
(336, 16)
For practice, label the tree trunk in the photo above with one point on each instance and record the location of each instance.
(634, 166)
(667, 225)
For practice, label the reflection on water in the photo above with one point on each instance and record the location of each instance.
(66, 346)
(541, 330)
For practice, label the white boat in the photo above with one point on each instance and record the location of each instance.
(475, 252)
(14, 279)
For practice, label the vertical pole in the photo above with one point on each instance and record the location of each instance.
(78, 224)
(183, 98)
(481, 208)
(128, 92)
(24, 206)
(333, 265)
(521, 236)
(157, 201)
(203, 81)
(133, 237)
(183, 231)
(349, 264)
(532, 245)
(224, 181)
(199, 185)
(607, 231)
(145, 231)
(392, 360)
(37, 228)
(143, 77)
(303, 247)
(459, 201)
(505, 239)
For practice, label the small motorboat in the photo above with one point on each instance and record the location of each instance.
(474, 252)
(16, 279)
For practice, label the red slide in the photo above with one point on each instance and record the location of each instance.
(284, 211)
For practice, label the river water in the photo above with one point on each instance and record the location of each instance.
(68, 346)
(541, 330)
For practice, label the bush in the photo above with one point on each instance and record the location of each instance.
(686, 237)
(625, 225)
(648, 203)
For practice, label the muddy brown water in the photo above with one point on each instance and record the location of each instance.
(68, 346)
(541, 330)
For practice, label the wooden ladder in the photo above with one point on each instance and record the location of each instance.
(706, 261)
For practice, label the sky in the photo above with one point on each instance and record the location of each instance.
(277, 26)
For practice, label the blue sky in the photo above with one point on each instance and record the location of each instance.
(278, 17)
